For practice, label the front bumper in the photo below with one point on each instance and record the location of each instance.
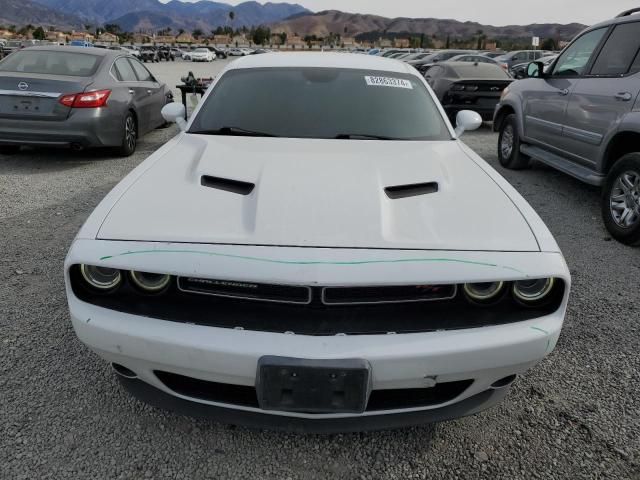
(402, 361)
(95, 127)
(157, 398)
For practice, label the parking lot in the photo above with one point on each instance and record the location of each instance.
(64, 415)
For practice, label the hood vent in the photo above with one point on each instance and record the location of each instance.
(414, 190)
(228, 185)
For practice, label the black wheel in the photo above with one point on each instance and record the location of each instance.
(9, 149)
(129, 136)
(621, 200)
(509, 145)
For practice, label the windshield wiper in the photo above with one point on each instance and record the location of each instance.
(362, 136)
(233, 132)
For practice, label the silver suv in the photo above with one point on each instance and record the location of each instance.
(582, 117)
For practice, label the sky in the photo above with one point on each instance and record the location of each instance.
(487, 12)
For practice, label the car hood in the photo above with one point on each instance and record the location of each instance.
(318, 193)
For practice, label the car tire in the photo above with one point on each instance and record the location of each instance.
(129, 136)
(9, 149)
(509, 145)
(621, 200)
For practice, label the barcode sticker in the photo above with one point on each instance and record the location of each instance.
(388, 82)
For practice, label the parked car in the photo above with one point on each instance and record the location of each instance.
(415, 57)
(464, 85)
(149, 53)
(493, 54)
(202, 55)
(218, 52)
(582, 118)
(473, 58)
(510, 59)
(236, 52)
(12, 46)
(436, 57)
(520, 71)
(77, 97)
(129, 50)
(166, 54)
(415, 292)
(81, 43)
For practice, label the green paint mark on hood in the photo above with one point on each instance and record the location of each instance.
(312, 262)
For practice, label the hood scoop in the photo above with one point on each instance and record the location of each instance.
(413, 190)
(227, 185)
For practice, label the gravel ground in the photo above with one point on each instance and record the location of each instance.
(63, 414)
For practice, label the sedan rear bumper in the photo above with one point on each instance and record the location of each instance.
(84, 127)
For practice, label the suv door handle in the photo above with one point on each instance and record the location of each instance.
(623, 96)
(564, 92)
(132, 91)
(149, 91)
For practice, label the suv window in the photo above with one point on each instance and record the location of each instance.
(620, 50)
(124, 71)
(141, 71)
(574, 59)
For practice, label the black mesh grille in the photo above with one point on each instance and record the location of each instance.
(410, 293)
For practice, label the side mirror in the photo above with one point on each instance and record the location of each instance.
(467, 121)
(535, 70)
(174, 113)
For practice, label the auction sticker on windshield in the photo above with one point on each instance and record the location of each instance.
(388, 82)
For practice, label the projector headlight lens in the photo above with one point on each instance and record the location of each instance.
(150, 282)
(101, 278)
(483, 292)
(533, 291)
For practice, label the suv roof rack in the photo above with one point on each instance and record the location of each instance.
(626, 13)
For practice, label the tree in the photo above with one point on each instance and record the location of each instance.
(87, 26)
(448, 43)
(113, 28)
(38, 34)
(197, 33)
(261, 35)
(283, 37)
(12, 28)
(548, 44)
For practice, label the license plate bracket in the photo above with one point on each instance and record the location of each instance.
(313, 386)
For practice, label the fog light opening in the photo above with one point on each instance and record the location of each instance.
(504, 382)
(123, 371)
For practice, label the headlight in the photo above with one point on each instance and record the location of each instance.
(483, 292)
(150, 282)
(533, 291)
(101, 278)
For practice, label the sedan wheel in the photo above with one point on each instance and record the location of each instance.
(621, 200)
(129, 137)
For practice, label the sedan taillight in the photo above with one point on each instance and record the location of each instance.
(95, 99)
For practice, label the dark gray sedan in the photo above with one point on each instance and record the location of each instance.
(77, 97)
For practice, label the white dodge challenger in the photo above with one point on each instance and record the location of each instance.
(317, 251)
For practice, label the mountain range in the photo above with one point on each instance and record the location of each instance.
(348, 24)
(136, 15)
(153, 15)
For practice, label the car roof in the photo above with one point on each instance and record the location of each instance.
(98, 52)
(322, 60)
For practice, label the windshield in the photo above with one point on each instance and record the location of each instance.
(51, 62)
(321, 103)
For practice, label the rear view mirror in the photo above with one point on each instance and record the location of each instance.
(175, 113)
(467, 121)
(535, 70)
